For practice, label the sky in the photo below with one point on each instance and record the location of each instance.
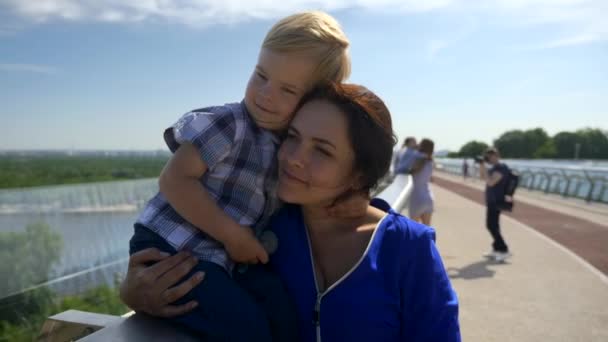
(112, 74)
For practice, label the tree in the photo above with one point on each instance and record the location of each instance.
(511, 144)
(594, 143)
(521, 144)
(534, 139)
(472, 149)
(565, 144)
(547, 150)
(27, 257)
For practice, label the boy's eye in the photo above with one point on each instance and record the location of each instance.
(261, 76)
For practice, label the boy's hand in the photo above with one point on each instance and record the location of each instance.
(244, 247)
(353, 206)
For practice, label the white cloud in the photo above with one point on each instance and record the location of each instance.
(193, 12)
(576, 22)
(574, 18)
(574, 40)
(35, 68)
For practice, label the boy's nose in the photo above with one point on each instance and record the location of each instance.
(265, 93)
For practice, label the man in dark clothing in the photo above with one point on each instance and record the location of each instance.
(495, 179)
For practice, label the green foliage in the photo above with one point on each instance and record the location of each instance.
(546, 151)
(27, 325)
(585, 143)
(27, 256)
(594, 144)
(472, 149)
(18, 171)
(521, 144)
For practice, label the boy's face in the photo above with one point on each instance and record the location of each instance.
(276, 86)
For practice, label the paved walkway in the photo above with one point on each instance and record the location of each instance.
(583, 229)
(543, 293)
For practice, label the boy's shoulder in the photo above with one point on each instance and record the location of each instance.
(233, 109)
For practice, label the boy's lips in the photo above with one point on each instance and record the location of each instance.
(264, 109)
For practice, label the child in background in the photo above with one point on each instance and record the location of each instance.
(218, 189)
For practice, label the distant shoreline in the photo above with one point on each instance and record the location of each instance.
(25, 170)
(92, 152)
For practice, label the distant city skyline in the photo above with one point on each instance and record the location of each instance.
(80, 75)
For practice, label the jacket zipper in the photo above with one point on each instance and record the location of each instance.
(316, 317)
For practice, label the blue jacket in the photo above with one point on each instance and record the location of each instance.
(399, 291)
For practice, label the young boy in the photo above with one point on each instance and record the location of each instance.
(217, 190)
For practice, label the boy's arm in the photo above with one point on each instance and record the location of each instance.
(179, 183)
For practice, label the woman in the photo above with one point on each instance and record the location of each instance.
(375, 277)
(421, 198)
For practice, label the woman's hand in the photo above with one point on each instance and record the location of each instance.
(150, 289)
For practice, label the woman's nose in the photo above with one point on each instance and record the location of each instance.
(296, 156)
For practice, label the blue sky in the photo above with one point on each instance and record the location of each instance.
(110, 75)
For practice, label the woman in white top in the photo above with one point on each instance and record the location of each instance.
(421, 199)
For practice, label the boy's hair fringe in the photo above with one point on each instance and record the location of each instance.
(316, 34)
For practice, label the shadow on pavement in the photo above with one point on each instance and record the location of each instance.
(475, 270)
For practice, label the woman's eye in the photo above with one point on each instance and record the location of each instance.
(261, 76)
(324, 152)
(289, 91)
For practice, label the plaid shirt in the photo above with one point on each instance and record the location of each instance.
(241, 177)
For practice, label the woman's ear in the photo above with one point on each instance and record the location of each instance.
(357, 182)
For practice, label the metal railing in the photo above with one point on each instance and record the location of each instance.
(590, 185)
(395, 190)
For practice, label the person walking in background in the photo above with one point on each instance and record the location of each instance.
(465, 169)
(495, 180)
(421, 198)
(406, 156)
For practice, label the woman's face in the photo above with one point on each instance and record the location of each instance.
(316, 159)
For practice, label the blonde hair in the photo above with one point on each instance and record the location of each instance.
(316, 34)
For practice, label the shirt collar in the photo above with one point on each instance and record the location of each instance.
(273, 136)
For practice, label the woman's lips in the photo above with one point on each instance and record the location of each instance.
(292, 178)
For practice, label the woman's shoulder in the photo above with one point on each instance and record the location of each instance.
(405, 230)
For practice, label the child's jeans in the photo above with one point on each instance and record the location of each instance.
(251, 306)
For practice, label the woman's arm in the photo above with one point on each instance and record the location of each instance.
(150, 289)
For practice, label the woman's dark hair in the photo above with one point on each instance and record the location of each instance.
(369, 128)
(426, 146)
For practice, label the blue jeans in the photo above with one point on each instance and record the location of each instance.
(251, 306)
